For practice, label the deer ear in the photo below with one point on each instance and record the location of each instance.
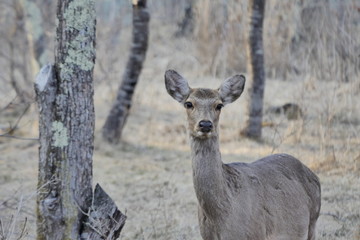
(231, 89)
(176, 86)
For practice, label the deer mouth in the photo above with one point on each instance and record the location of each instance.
(200, 133)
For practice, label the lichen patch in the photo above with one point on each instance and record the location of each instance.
(60, 138)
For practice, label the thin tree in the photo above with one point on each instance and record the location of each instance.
(66, 205)
(186, 26)
(255, 52)
(17, 50)
(119, 112)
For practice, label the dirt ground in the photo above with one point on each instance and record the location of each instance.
(149, 173)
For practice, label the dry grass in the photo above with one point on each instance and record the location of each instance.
(14, 226)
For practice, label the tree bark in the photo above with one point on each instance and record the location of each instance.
(105, 221)
(255, 52)
(66, 127)
(119, 112)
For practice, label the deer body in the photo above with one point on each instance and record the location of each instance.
(274, 198)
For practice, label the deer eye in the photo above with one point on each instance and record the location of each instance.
(219, 107)
(188, 105)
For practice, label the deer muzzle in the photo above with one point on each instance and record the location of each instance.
(205, 126)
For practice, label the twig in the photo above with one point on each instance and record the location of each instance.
(18, 120)
(23, 230)
(2, 234)
(7, 135)
(7, 105)
(333, 215)
(9, 132)
(13, 222)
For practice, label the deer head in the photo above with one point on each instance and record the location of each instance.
(203, 105)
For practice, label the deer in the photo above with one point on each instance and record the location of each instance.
(274, 198)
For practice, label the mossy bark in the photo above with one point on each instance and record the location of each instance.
(66, 206)
(65, 98)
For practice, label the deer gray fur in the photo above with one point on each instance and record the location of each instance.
(274, 198)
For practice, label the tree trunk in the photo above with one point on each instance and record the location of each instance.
(22, 63)
(120, 110)
(255, 52)
(66, 127)
(105, 221)
(186, 26)
(42, 21)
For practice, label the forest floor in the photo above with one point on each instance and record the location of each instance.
(149, 173)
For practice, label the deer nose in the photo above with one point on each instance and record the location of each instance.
(205, 126)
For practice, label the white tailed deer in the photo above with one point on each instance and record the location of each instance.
(274, 198)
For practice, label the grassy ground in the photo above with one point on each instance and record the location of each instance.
(149, 173)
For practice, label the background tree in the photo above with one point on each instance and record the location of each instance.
(41, 15)
(66, 207)
(120, 110)
(186, 26)
(256, 71)
(17, 49)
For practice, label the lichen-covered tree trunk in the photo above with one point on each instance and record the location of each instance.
(67, 125)
(255, 52)
(65, 202)
(119, 112)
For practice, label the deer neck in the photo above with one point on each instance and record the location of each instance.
(208, 175)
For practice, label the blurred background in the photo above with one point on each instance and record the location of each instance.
(312, 66)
